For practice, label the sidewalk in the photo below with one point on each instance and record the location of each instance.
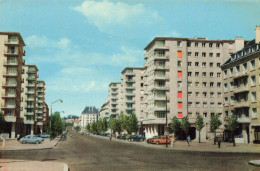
(21, 165)
(13, 144)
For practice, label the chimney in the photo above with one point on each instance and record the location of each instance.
(239, 43)
(257, 34)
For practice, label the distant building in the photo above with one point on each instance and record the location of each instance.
(89, 115)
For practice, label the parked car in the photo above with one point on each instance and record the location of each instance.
(31, 139)
(149, 139)
(86, 133)
(160, 140)
(63, 136)
(137, 138)
(44, 135)
(121, 137)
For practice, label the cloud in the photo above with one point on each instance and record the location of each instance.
(105, 14)
(35, 42)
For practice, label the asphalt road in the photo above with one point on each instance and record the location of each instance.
(83, 152)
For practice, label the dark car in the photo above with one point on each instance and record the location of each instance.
(121, 137)
(137, 138)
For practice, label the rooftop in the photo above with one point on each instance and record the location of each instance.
(90, 110)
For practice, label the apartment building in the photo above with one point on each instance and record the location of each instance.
(114, 98)
(104, 110)
(88, 116)
(241, 89)
(40, 110)
(183, 78)
(133, 91)
(28, 98)
(11, 54)
(45, 116)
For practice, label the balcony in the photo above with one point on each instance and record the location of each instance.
(161, 108)
(130, 102)
(129, 88)
(157, 67)
(30, 78)
(129, 95)
(241, 104)
(12, 42)
(130, 74)
(40, 101)
(40, 85)
(31, 72)
(30, 92)
(114, 88)
(39, 112)
(114, 103)
(130, 109)
(29, 99)
(160, 47)
(39, 106)
(11, 53)
(241, 88)
(243, 119)
(39, 117)
(10, 74)
(240, 74)
(29, 107)
(11, 63)
(10, 85)
(30, 85)
(162, 88)
(156, 98)
(11, 118)
(157, 57)
(129, 81)
(8, 106)
(39, 123)
(29, 114)
(166, 77)
(8, 95)
(28, 122)
(40, 96)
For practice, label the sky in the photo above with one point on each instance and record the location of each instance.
(80, 46)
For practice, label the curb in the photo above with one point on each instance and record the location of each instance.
(254, 163)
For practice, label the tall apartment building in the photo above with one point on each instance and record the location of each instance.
(28, 98)
(241, 89)
(88, 116)
(183, 77)
(133, 91)
(104, 110)
(45, 118)
(11, 55)
(114, 99)
(40, 107)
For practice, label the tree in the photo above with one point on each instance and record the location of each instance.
(214, 125)
(93, 128)
(123, 120)
(2, 123)
(88, 127)
(57, 125)
(131, 123)
(115, 125)
(77, 128)
(232, 125)
(175, 125)
(185, 125)
(199, 124)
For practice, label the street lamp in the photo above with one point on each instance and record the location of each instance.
(59, 100)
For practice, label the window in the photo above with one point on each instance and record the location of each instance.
(238, 68)
(210, 44)
(189, 74)
(219, 94)
(204, 84)
(197, 94)
(161, 53)
(205, 104)
(189, 53)
(218, 54)
(189, 94)
(204, 74)
(218, 74)
(231, 71)
(254, 113)
(211, 74)
(196, 53)
(179, 84)
(212, 114)
(218, 45)
(179, 105)
(188, 44)
(189, 84)
(226, 99)
(245, 66)
(203, 54)
(253, 82)
(197, 104)
(226, 113)
(204, 94)
(212, 104)
(203, 44)
(179, 53)
(189, 104)
(211, 84)
(179, 73)
(179, 43)
(179, 94)
(210, 54)
(205, 115)
(252, 64)
(203, 64)
(180, 115)
(218, 64)
(196, 44)
(225, 73)
(196, 63)
(179, 63)
(231, 86)
(253, 95)
(218, 84)
(211, 94)
(196, 74)
(189, 63)
(197, 84)
(219, 104)
(211, 64)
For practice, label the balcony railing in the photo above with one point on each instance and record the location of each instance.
(8, 95)
(240, 74)
(31, 78)
(241, 88)
(12, 42)
(11, 52)
(157, 57)
(162, 88)
(10, 74)
(9, 85)
(11, 63)
(242, 103)
(243, 119)
(161, 67)
(8, 106)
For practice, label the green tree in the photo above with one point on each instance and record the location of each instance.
(131, 123)
(199, 124)
(93, 128)
(175, 125)
(88, 127)
(57, 125)
(77, 128)
(214, 125)
(123, 120)
(115, 125)
(185, 125)
(232, 126)
(2, 123)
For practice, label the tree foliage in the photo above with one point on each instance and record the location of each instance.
(199, 124)
(57, 126)
(131, 123)
(2, 123)
(232, 126)
(185, 125)
(175, 125)
(77, 128)
(88, 127)
(214, 125)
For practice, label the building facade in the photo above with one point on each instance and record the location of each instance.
(241, 90)
(88, 116)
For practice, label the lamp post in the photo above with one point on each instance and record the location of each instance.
(59, 100)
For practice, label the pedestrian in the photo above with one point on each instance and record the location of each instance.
(188, 139)
(219, 141)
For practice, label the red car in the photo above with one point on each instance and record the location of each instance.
(160, 140)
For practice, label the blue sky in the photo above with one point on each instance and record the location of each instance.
(80, 46)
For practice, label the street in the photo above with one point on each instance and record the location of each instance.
(83, 152)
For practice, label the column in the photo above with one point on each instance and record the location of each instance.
(13, 130)
(32, 127)
(244, 133)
